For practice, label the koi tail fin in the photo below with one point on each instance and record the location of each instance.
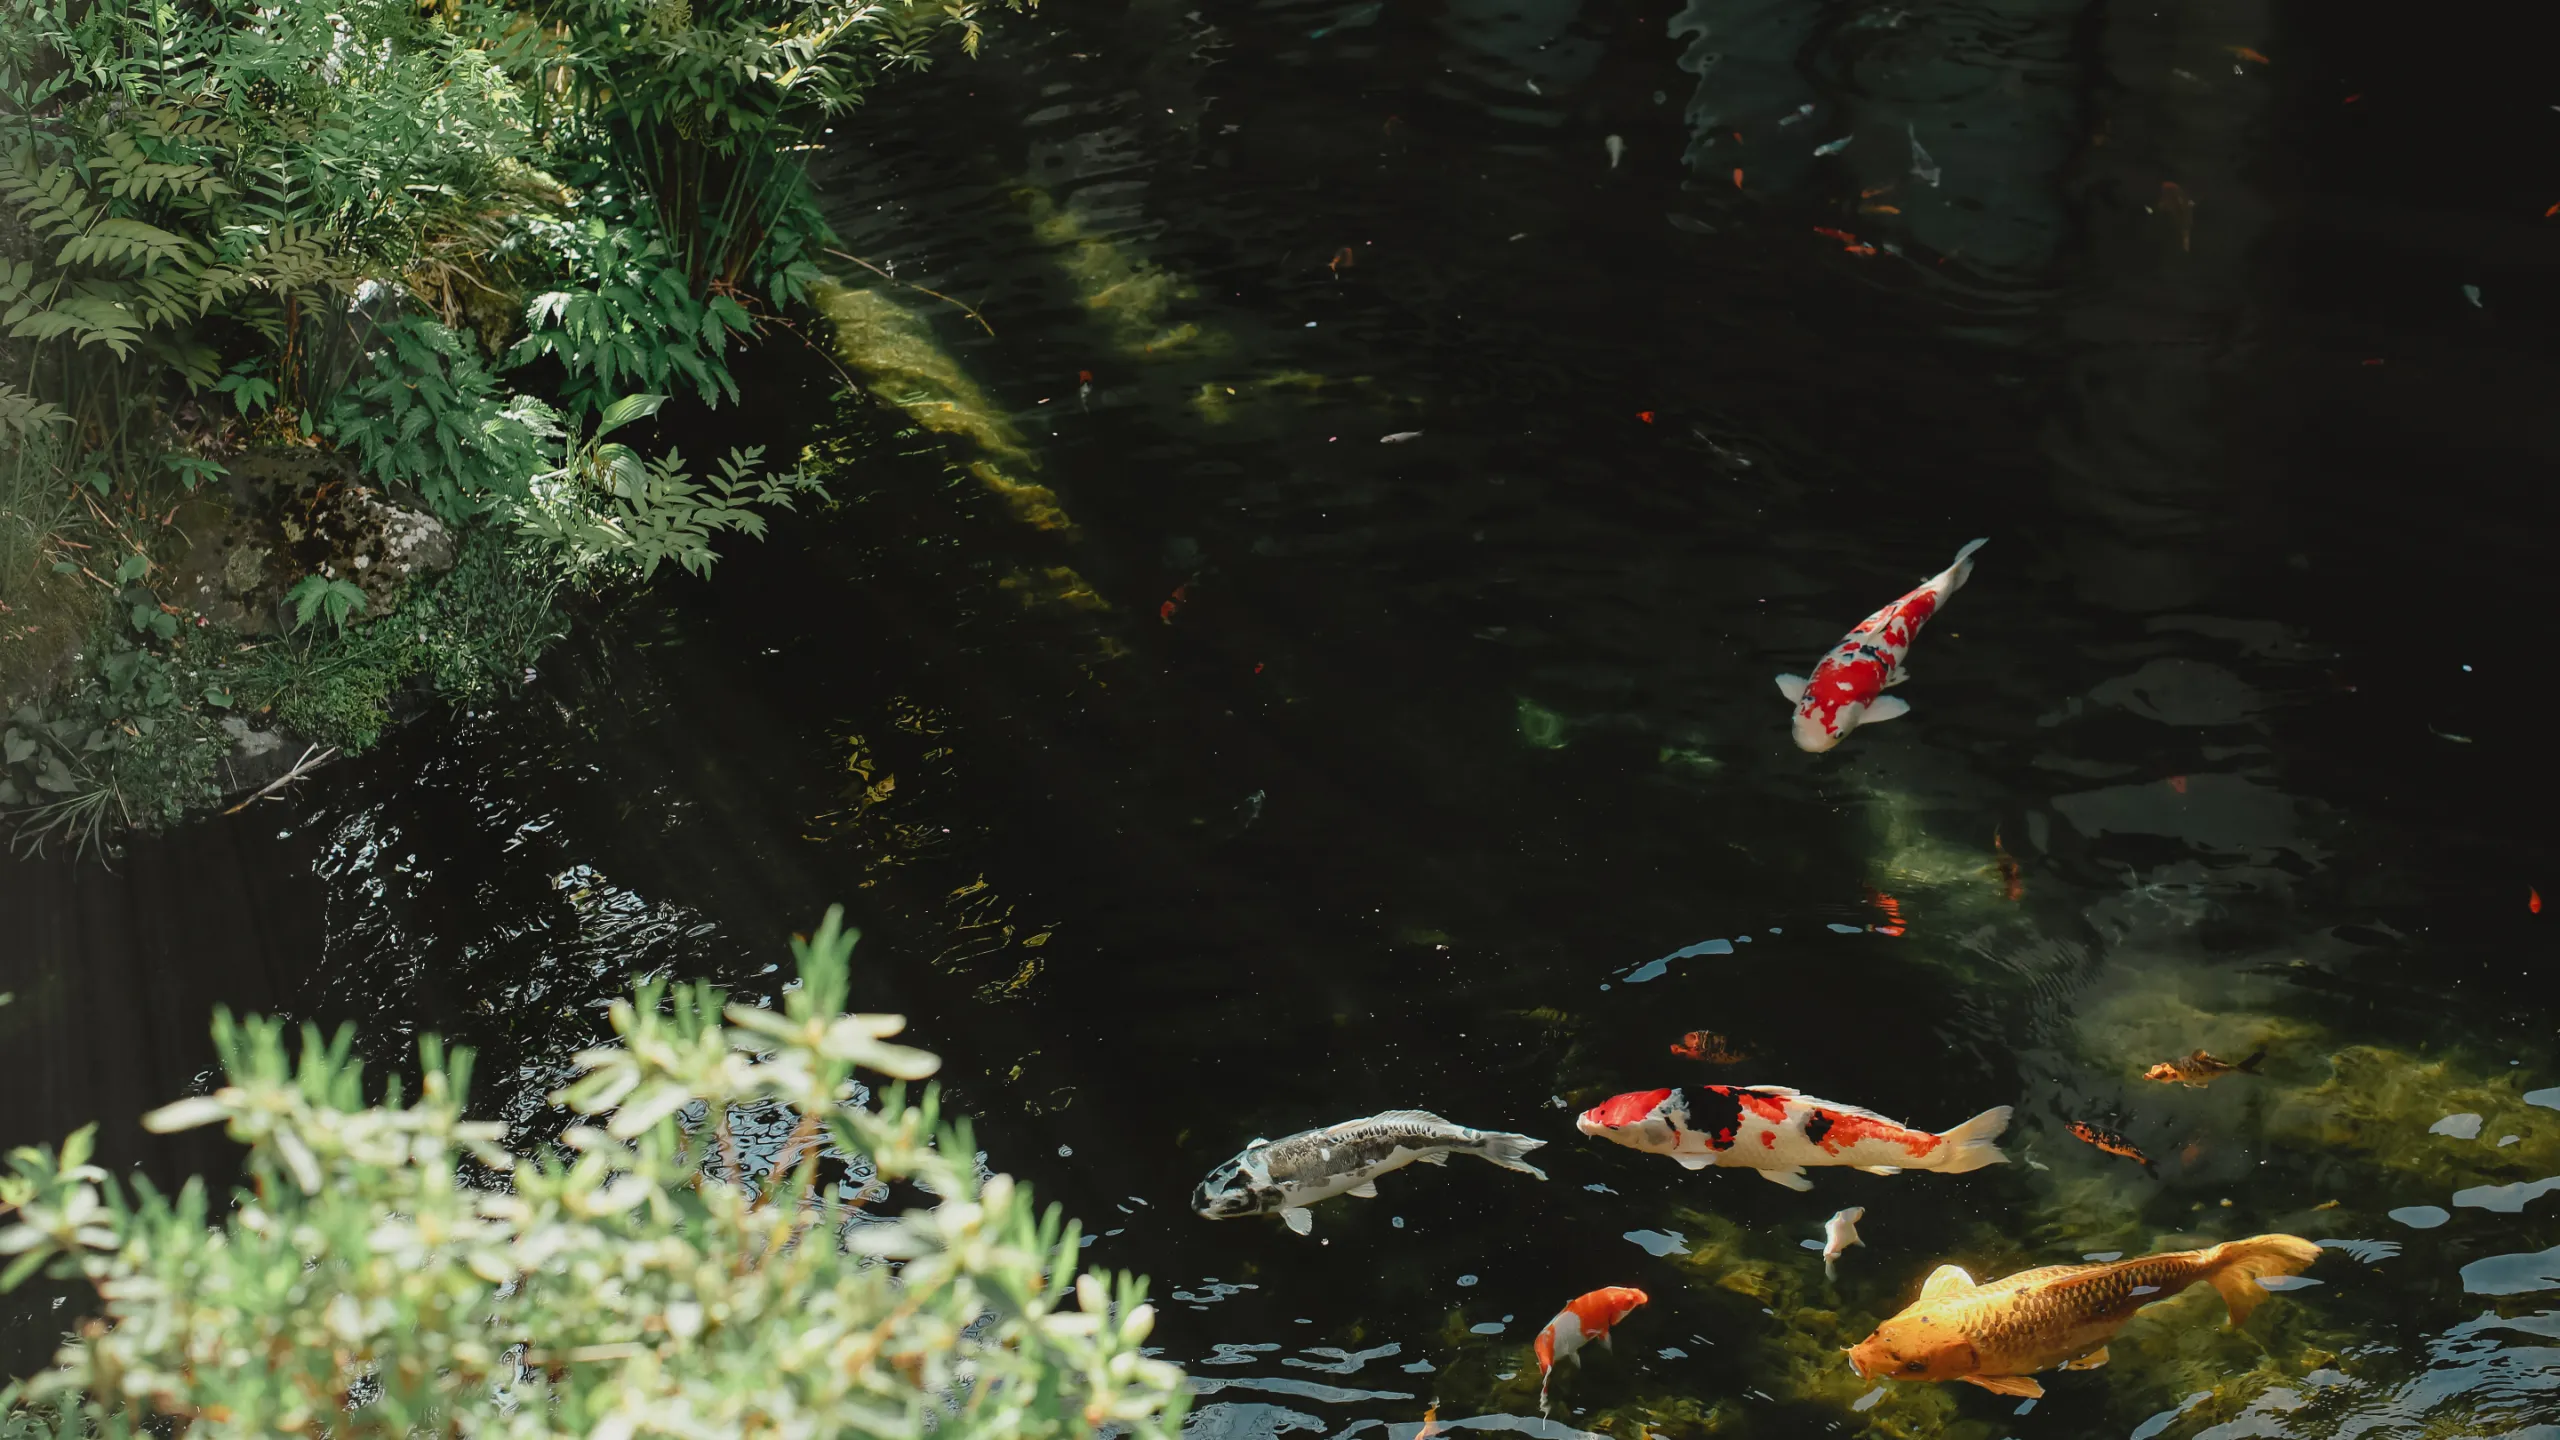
(1970, 1146)
(1962, 569)
(1510, 1151)
(2250, 1065)
(2236, 1266)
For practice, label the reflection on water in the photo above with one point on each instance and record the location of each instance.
(1201, 768)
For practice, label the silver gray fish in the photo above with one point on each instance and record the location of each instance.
(1288, 1175)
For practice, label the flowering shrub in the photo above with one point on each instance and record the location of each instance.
(666, 1269)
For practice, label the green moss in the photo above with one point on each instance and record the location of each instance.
(134, 738)
(468, 633)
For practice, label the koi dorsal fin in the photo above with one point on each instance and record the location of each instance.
(1945, 1280)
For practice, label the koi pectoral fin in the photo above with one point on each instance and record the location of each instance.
(1885, 707)
(2090, 1361)
(1366, 1190)
(1792, 686)
(2018, 1385)
(1792, 1178)
(1693, 1162)
(1297, 1218)
(1882, 1169)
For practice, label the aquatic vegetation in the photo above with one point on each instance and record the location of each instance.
(655, 1271)
(1541, 727)
(1132, 295)
(894, 348)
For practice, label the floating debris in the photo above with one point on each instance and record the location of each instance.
(1923, 169)
(2175, 204)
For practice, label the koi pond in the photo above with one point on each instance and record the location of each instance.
(1320, 495)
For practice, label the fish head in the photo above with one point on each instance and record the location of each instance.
(1813, 737)
(1242, 1186)
(1914, 1345)
(2165, 1070)
(1639, 1119)
(1615, 1303)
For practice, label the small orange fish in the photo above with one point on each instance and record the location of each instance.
(1430, 1422)
(2013, 881)
(1584, 1319)
(1843, 236)
(2202, 1068)
(2113, 1142)
(1737, 176)
(1879, 209)
(1891, 907)
(2532, 901)
(1342, 260)
(2245, 53)
(1708, 1046)
(1181, 593)
(1645, 415)
(1873, 191)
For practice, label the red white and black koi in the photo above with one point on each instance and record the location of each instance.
(1847, 688)
(1779, 1131)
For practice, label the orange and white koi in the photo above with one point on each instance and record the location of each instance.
(1779, 1132)
(1847, 688)
(1584, 1318)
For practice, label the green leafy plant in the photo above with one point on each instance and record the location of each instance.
(608, 508)
(328, 595)
(391, 1270)
(429, 415)
(707, 105)
(629, 317)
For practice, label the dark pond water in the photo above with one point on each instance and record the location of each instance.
(1201, 768)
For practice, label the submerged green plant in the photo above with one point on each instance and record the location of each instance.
(390, 1270)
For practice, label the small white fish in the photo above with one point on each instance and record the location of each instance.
(1399, 437)
(1617, 147)
(1803, 112)
(1923, 169)
(2472, 294)
(1534, 90)
(1838, 1234)
(1834, 147)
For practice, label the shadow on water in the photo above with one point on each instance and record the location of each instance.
(1200, 767)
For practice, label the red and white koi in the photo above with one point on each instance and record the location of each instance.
(1584, 1318)
(1779, 1131)
(1847, 688)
